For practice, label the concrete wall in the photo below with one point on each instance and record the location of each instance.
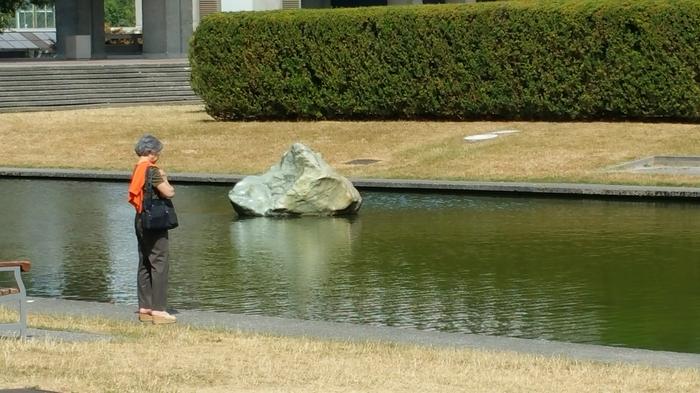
(237, 5)
(250, 5)
(264, 5)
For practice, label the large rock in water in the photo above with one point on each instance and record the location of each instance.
(301, 184)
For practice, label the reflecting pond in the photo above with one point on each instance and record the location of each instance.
(591, 271)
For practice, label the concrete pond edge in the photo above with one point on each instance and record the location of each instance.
(341, 331)
(405, 185)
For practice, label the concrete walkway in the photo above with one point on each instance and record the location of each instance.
(360, 333)
(58, 335)
(555, 189)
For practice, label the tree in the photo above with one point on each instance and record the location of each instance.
(120, 13)
(7, 11)
(10, 6)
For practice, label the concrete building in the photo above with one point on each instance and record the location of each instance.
(31, 33)
(167, 25)
(261, 5)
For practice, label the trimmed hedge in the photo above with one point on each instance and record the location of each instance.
(586, 59)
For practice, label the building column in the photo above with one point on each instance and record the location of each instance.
(167, 27)
(195, 14)
(80, 29)
(138, 13)
(97, 18)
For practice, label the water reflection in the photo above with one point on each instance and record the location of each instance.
(298, 251)
(303, 247)
(64, 228)
(616, 273)
(457, 271)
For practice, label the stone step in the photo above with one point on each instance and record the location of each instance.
(62, 77)
(68, 85)
(12, 88)
(100, 82)
(134, 89)
(53, 63)
(85, 102)
(36, 70)
(93, 68)
(7, 101)
(121, 76)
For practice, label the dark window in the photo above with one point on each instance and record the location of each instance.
(357, 3)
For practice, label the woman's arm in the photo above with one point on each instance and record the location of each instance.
(165, 189)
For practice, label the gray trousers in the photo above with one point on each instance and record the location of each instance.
(152, 275)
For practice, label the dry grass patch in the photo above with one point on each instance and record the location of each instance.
(181, 359)
(566, 152)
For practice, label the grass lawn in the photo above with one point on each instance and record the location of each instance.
(148, 358)
(542, 151)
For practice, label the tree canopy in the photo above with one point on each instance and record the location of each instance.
(120, 13)
(10, 6)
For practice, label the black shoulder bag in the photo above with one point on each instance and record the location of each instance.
(158, 213)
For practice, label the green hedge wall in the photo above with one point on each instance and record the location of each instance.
(586, 59)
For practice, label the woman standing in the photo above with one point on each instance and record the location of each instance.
(152, 277)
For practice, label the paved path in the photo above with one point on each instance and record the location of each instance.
(558, 189)
(360, 333)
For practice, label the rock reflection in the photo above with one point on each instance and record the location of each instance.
(298, 251)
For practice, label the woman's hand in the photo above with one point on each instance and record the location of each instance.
(165, 189)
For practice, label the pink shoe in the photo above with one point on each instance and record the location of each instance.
(143, 317)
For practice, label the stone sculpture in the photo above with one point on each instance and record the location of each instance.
(301, 184)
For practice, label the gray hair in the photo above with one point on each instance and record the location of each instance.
(148, 144)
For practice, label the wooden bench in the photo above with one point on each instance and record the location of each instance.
(18, 294)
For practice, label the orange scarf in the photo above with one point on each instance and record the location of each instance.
(138, 179)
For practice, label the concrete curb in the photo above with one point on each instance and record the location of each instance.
(363, 333)
(466, 187)
(57, 335)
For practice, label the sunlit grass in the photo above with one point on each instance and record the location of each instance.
(542, 151)
(178, 358)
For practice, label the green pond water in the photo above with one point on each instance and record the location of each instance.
(618, 273)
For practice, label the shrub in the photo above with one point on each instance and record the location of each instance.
(585, 59)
